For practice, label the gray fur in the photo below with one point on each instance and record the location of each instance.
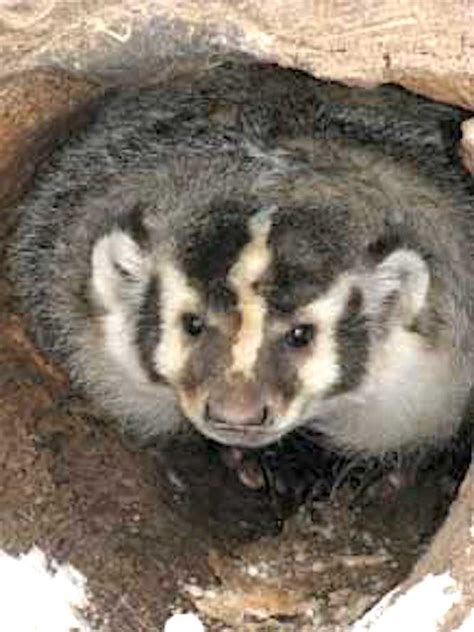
(182, 169)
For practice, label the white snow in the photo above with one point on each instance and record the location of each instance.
(185, 622)
(39, 595)
(422, 607)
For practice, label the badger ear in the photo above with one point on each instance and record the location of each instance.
(119, 266)
(399, 284)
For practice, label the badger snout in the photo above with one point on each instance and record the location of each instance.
(237, 404)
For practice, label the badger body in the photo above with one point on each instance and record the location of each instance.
(254, 251)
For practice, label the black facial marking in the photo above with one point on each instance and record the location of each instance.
(352, 338)
(212, 246)
(289, 287)
(148, 329)
(207, 361)
(306, 254)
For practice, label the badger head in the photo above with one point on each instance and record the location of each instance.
(254, 317)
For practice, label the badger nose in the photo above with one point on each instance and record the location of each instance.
(237, 404)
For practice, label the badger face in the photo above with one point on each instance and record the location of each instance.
(255, 321)
(254, 375)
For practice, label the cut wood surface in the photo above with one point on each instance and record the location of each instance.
(424, 45)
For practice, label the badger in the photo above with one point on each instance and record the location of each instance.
(252, 251)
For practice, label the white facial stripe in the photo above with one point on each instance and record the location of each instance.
(321, 370)
(249, 268)
(176, 297)
(119, 341)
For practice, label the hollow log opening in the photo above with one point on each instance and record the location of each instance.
(169, 527)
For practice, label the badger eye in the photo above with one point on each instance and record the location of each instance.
(300, 336)
(193, 324)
